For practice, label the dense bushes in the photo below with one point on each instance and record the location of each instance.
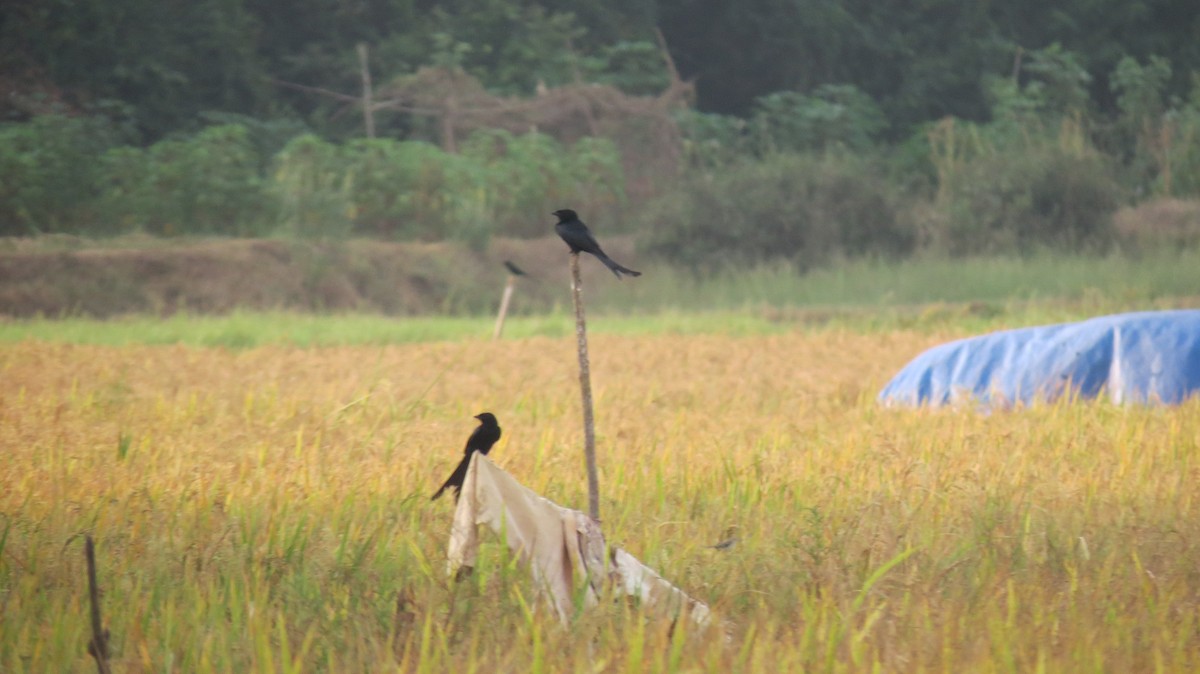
(50, 175)
(795, 207)
(807, 177)
(62, 174)
(810, 208)
(498, 184)
(833, 117)
(1043, 172)
(207, 184)
(1021, 201)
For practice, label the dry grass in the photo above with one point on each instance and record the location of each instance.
(1159, 223)
(261, 510)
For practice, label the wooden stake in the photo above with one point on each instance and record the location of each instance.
(585, 385)
(367, 95)
(98, 646)
(500, 315)
(672, 71)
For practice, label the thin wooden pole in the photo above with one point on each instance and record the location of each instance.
(98, 647)
(585, 385)
(368, 103)
(500, 315)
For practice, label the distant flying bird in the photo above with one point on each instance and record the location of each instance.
(486, 434)
(514, 269)
(576, 234)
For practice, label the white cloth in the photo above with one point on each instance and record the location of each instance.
(562, 547)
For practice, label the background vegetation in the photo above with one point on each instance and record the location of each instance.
(813, 133)
(815, 174)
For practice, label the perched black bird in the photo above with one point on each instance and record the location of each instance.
(576, 234)
(481, 440)
(514, 269)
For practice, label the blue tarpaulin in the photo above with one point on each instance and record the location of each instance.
(1146, 357)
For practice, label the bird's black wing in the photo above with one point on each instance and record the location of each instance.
(580, 239)
(577, 236)
(591, 244)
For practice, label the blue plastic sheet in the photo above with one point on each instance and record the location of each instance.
(1146, 357)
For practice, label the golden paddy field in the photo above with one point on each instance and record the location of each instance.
(267, 510)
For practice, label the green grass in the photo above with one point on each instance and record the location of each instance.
(249, 329)
(967, 295)
(245, 329)
(865, 283)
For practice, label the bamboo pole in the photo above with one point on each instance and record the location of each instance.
(98, 646)
(504, 299)
(585, 386)
(368, 95)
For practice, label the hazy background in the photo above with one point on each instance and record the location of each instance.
(708, 138)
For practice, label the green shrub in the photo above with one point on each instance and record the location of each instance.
(598, 180)
(1024, 199)
(412, 190)
(531, 175)
(267, 136)
(208, 183)
(1182, 177)
(312, 189)
(523, 177)
(805, 209)
(1165, 140)
(711, 140)
(404, 190)
(833, 116)
(50, 174)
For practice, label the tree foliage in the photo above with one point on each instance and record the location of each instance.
(793, 207)
(819, 128)
(164, 64)
(50, 174)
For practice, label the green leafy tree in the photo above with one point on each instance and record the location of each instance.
(635, 67)
(50, 174)
(1141, 90)
(312, 188)
(833, 116)
(209, 183)
(512, 46)
(710, 139)
(1059, 81)
(165, 60)
(1144, 132)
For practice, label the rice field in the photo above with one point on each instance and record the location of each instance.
(266, 509)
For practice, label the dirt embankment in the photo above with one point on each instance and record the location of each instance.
(70, 277)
